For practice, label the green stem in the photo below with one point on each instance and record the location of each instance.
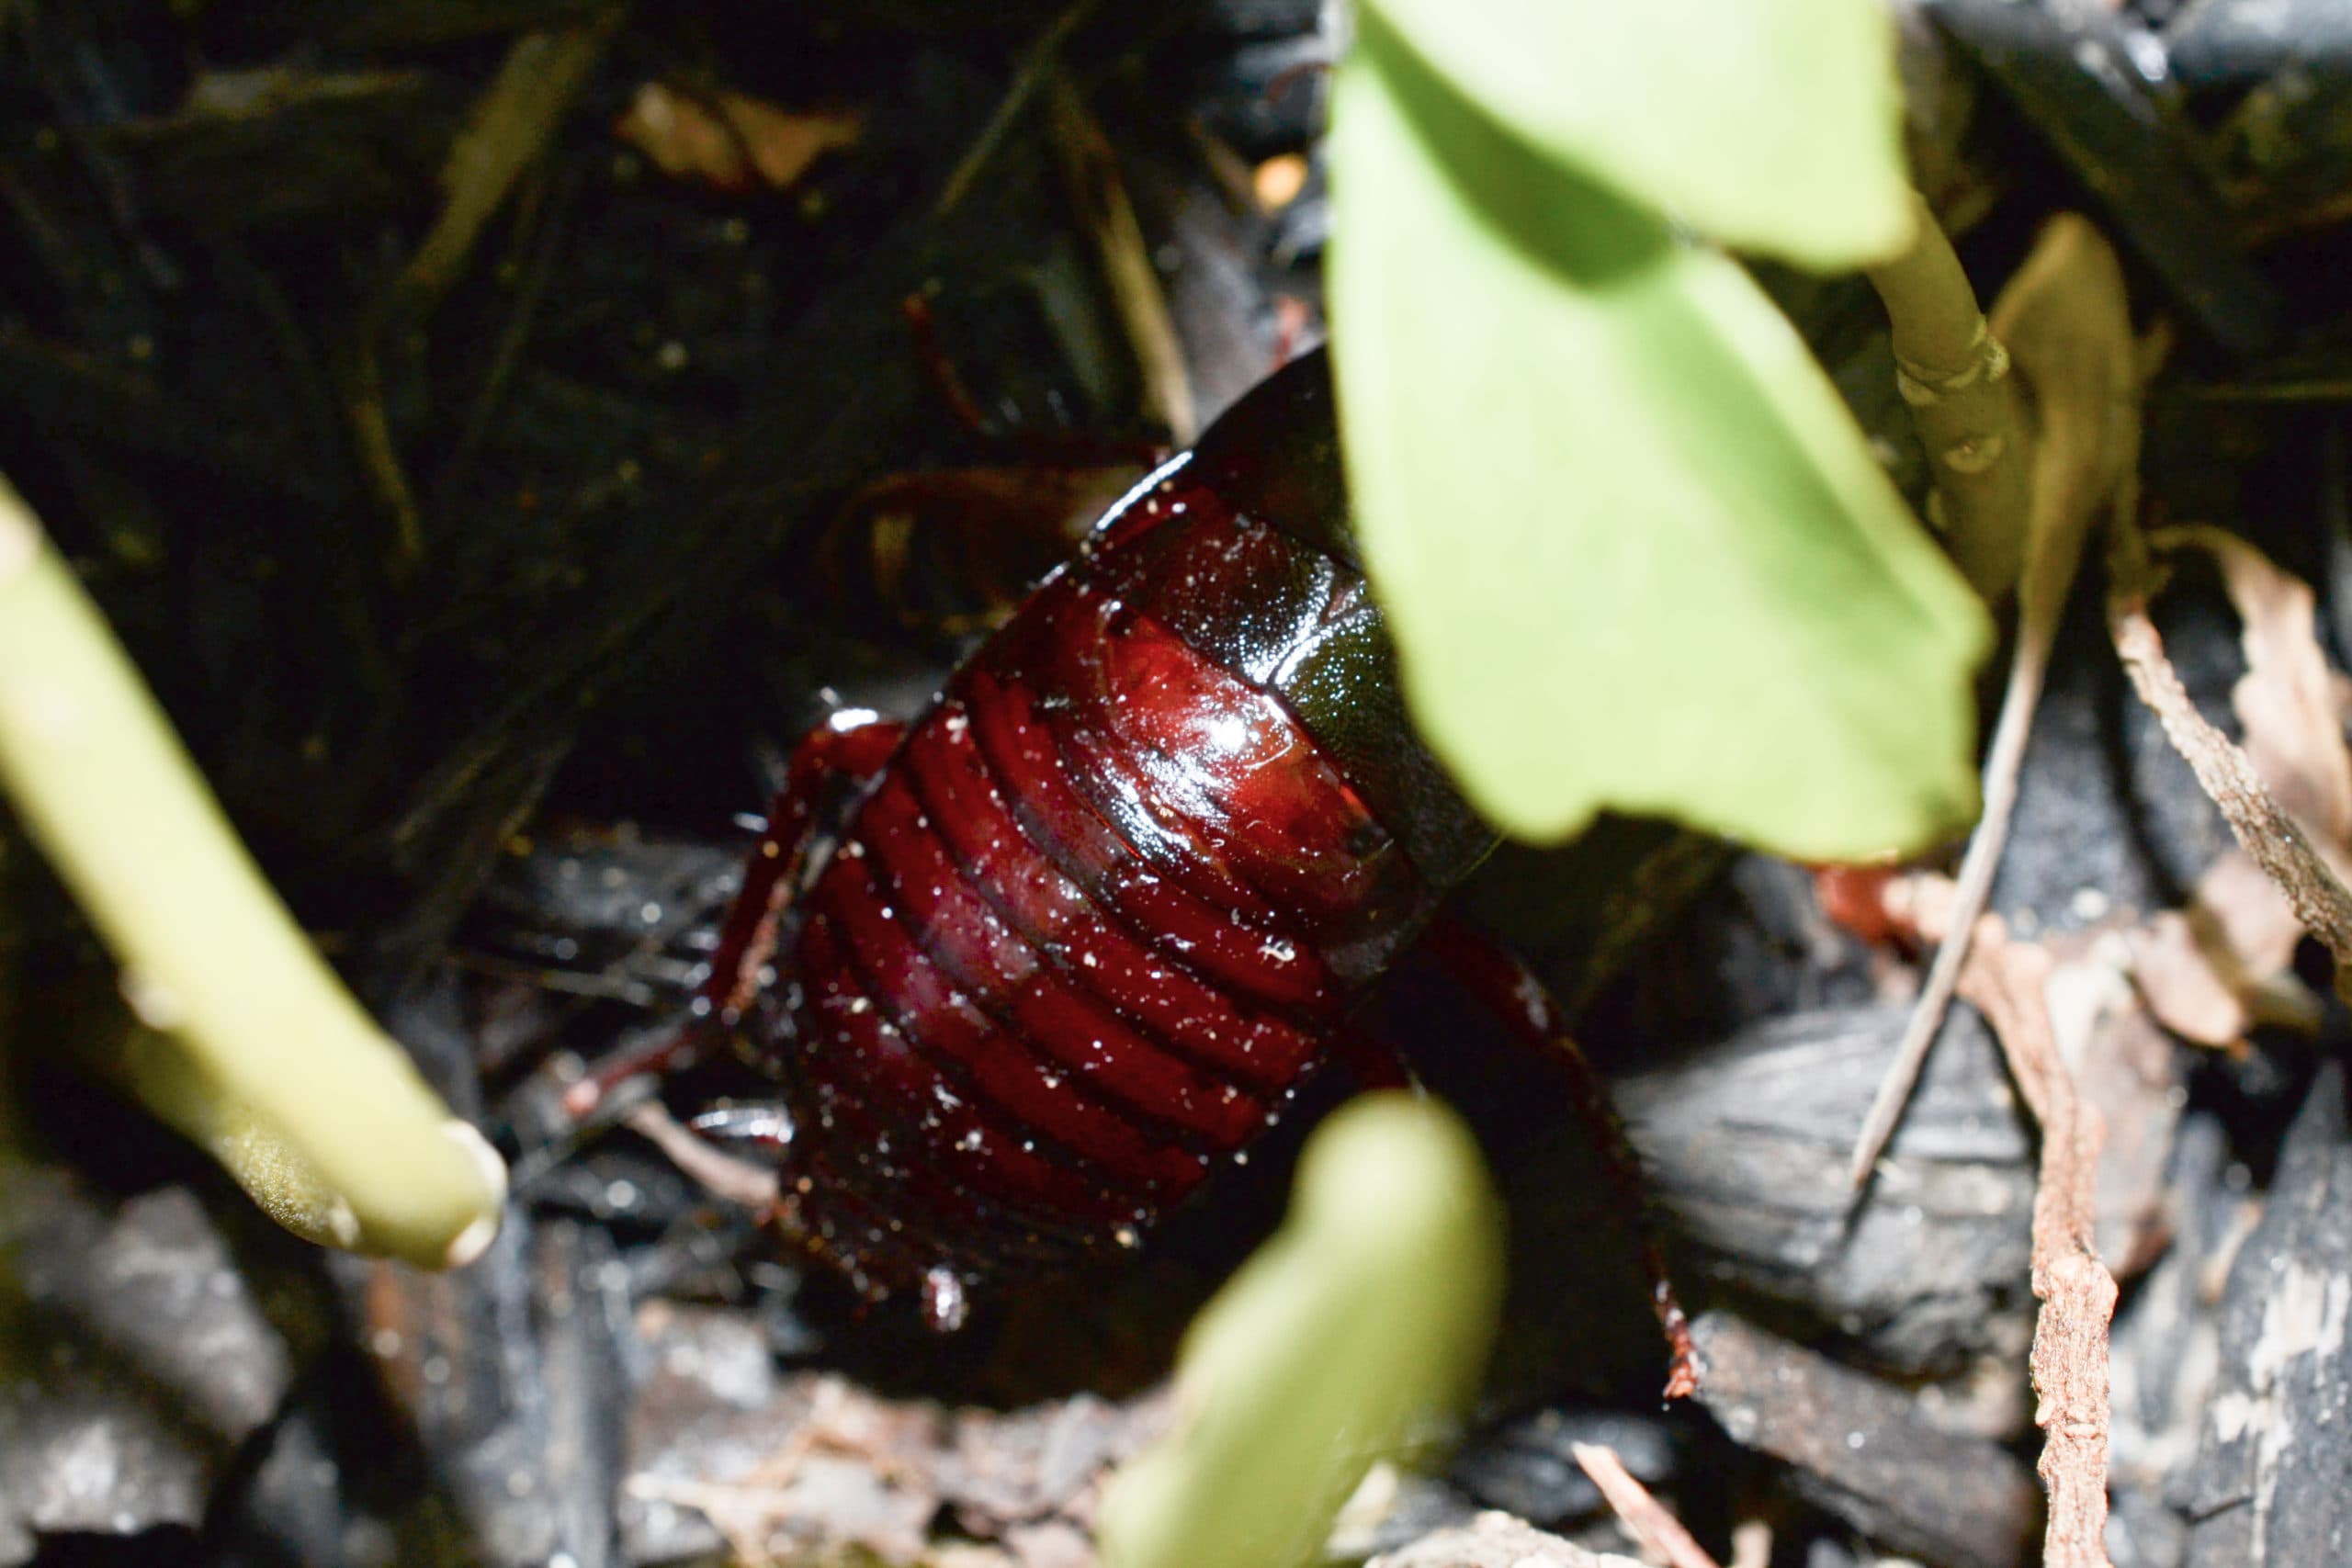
(274, 1044)
(1954, 374)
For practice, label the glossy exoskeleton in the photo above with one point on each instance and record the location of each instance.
(1018, 975)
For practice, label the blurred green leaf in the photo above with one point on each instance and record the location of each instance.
(1770, 125)
(1634, 549)
(317, 1105)
(1351, 1336)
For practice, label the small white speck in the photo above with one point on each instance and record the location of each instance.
(156, 1004)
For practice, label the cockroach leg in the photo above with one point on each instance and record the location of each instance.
(1503, 982)
(1373, 1062)
(758, 1130)
(840, 754)
(848, 749)
(754, 1186)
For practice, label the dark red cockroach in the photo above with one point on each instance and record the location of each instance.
(1016, 976)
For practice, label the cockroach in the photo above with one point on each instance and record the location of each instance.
(1007, 983)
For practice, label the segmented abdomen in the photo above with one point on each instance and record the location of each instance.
(1097, 918)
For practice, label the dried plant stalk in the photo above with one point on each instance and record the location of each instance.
(1091, 171)
(2261, 826)
(2007, 982)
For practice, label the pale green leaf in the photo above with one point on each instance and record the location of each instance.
(1771, 125)
(1352, 1334)
(1633, 549)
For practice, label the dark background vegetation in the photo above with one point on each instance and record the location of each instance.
(501, 773)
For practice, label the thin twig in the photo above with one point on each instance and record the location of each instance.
(2261, 826)
(1037, 61)
(513, 122)
(753, 1187)
(1657, 1530)
(2334, 389)
(2008, 983)
(2028, 666)
(1091, 171)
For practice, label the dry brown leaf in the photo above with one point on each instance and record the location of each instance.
(789, 1467)
(2287, 699)
(2246, 914)
(2191, 979)
(731, 141)
(2212, 971)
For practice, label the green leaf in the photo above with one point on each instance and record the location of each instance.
(1770, 125)
(1634, 552)
(1354, 1333)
